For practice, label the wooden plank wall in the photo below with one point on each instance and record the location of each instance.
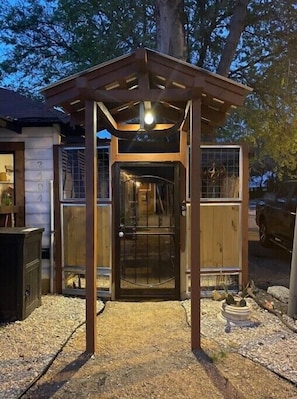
(39, 143)
(38, 160)
(74, 235)
(220, 238)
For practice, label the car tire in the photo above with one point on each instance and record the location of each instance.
(264, 236)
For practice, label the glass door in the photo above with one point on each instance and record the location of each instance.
(147, 222)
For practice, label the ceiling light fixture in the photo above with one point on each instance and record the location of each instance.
(146, 116)
(149, 118)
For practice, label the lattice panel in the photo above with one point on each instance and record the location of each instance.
(220, 172)
(74, 175)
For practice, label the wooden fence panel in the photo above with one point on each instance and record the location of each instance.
(220, 236)
(74, 236)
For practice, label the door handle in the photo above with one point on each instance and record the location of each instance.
(121, 234)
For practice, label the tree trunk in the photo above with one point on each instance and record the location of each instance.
(236, 28)
(170, 19)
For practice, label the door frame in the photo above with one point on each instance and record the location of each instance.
(174, 293)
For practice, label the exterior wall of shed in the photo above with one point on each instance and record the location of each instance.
(223, 237)
(39, 143)
(223, 241)
(74, 248)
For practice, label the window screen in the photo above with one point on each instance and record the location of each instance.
(219, 172)
(74, 175)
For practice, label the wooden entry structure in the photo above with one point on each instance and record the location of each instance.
(115, 95)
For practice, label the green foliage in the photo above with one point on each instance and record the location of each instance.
(207, 24)
(218, 356)
(242, 303)
(237, 299)
(268, 64)
(44, 41)
(230, 299)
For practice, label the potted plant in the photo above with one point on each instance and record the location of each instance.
(234, 307)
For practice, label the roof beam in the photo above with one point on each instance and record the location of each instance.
(141, 60)
(143, 76)
(207, 131)
(107, 115)
(136, 126)
(215, 86)
(137, 95)
(59, 98)
(218, 118)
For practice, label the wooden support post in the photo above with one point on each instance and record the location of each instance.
(91, 224)
(58, 233)
(195, 157)
(244, 216)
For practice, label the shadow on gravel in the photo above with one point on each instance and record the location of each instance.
(219, 381)
(48, 389)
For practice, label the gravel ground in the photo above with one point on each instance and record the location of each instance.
(29, 346)
(268, 341)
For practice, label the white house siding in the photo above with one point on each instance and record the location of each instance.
(39, 172)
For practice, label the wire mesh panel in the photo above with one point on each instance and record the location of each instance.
(74, 175)
(220, 172)
(73, 218)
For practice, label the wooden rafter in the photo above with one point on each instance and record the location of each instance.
(158, 80)
(107, 115)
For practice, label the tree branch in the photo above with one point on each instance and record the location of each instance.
(236, 28)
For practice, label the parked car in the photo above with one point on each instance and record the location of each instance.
(275, 216)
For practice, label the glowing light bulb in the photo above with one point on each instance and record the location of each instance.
(148, 118)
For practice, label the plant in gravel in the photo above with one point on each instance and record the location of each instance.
(217, 356)
(234, 299)
(235, 310)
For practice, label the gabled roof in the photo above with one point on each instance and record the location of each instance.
(17, 111)
(148, 79)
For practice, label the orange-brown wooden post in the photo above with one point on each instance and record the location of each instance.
(91, 224)
(195, 132)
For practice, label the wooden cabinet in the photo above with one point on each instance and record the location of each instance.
(20, 268)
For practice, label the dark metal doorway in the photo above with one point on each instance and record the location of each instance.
(146, 225)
